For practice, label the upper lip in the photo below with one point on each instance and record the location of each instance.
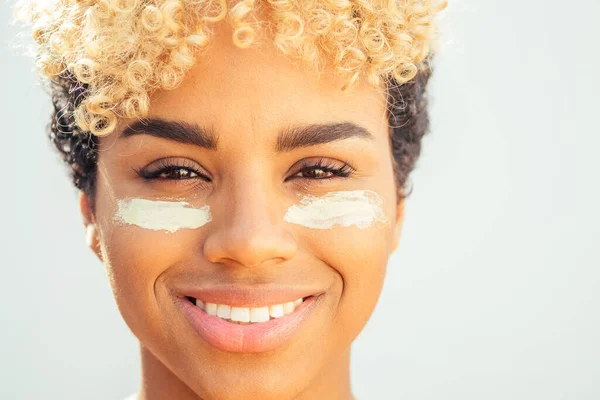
(249, 296)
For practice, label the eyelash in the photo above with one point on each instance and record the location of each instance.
(328, 167)
(167, 167)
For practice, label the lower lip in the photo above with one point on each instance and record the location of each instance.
(251, 338)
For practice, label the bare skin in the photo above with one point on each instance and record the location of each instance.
(246, 97)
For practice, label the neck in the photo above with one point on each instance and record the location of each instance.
(159, 382)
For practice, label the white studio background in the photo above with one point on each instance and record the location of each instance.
(495, 289)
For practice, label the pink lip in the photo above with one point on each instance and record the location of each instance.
(252, 338)
(247, 296)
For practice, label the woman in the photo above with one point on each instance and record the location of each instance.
(242, 170)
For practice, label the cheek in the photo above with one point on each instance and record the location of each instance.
(169, 216)
(352, 232)
(359, 257)
(360, 208)
(136, 260)
(144, 238)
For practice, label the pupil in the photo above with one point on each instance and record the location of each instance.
(177, 173)
(319, 172)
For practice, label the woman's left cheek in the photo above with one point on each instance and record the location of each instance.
(350, 232)
(360, 208)
(350, 225)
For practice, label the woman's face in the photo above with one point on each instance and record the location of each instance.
(248, 103)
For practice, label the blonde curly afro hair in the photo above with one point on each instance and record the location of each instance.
(104, 58)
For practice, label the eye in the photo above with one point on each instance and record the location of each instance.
(177, 173)
(322, 169)
(168, 169)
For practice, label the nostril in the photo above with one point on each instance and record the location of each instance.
(242, 244)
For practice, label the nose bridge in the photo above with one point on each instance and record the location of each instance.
(250, 228)
(253, 205)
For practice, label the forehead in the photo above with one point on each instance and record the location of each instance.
(259, 91)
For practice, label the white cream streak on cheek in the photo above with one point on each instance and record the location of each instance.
(161, 215)
(345, 208)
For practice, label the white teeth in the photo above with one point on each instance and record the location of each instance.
(259, 314)
(240, 314)
(211, 308)
(289, 307)
(247, 314)
(276, 311)
(223, 311)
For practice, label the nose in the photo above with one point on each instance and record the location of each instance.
(249, 230)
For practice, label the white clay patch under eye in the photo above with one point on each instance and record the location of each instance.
(162, 215)
(354, 207)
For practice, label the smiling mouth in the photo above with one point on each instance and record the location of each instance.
(263, 325)
(247, 315)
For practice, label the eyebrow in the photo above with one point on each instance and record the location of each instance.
(314, 134)
(178, 131)
(289, 139)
